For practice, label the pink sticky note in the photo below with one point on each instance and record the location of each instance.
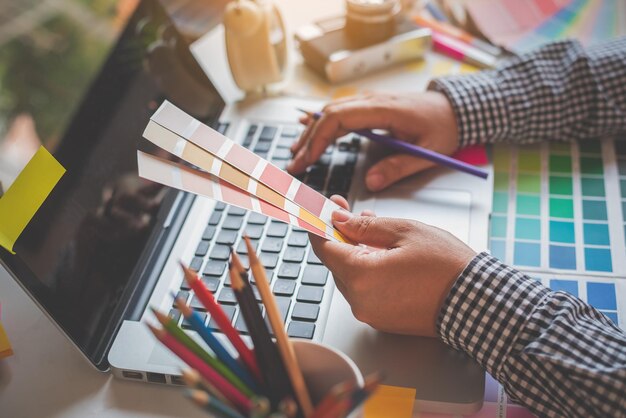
(474, 154)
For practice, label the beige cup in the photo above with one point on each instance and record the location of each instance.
(323, 367)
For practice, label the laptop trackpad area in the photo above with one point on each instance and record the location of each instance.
(444, 208)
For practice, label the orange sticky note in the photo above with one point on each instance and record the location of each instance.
(27, 193)
(5, 345)
(390, 401)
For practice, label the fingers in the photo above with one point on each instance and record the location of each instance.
(392, 169)
(337, 120)
(340, 258)
(373, 231)
(341, 201)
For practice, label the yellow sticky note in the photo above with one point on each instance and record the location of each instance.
(5, 346)
(27, 193)
(390, 401)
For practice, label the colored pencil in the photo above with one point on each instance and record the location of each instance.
(217, 313)
(170, 326)
(211, 404)
(261, 407)
(458, 34)
(338, 392)
(289, 407)
(268, 358)
(360, 395)
(414, 150)
(193, 379)
(230, 392)
(205, 332)
(461, 51)
(276, 321)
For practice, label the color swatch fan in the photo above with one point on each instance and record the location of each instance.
(223, 170)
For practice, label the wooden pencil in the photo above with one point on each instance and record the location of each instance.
(170, 326)
(230, 392)
(197, 324)
(268, 358)
(217, 313)
(211, 404)
(334, 396)
(276, 321)
(194, 381)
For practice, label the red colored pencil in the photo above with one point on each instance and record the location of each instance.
(217, 313)
(230, 392)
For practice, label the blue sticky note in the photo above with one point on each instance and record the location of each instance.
(569, 286)
(562, 257)
(602, 296)
(527, 254)
(598, 259)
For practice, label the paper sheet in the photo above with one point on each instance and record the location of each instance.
(30, 189)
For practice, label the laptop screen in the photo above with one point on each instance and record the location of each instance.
(84, 85)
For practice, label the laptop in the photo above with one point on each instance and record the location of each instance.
(105, 245)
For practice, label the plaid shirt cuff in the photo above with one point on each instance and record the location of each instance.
(487, 309)
(479, 106)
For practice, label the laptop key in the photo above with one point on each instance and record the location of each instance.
(215, 218)
(272, 245)
(227, 296)
(229, 310)
(214, 268)
(196, 263)
(269, 274)
(219, 206)
(234, 210)
(315, 275)
(202, 249)
(232, 222)
(277, 229)
(294, 254)
(310, 294)
(283, 304)
(298, 239)
(289, 131)
(242, 249)
(285, 142)
(187, 325)
(312, 258)
(175, 315)
(240, 324)
(269, 260)
(282, 154)
(226, 237)
(220, 252)
(297, 329)
(196, 304)
(268, 133)
(262, 147)
(305, 311)
(209, 233)
(182, 294)
(257, 219)
(284, 287)
(211, 283)
(253, 231)
(289, 271)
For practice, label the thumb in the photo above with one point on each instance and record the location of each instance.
(369, 230)
(394, 168)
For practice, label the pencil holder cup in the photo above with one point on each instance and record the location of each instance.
(323, 367)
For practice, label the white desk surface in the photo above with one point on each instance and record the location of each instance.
(48, 377)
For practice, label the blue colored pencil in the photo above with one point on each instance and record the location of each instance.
(414, 150)
(197, 324)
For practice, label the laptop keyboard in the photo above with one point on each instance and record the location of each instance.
(298, 279)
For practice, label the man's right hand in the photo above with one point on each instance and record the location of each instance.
(426, 119)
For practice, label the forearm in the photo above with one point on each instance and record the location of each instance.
(559, 92)
(552, 352)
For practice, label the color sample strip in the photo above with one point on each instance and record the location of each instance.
(620, 151)
(596, 239)
(197, 156)
(528, 228)
(498, 233)
(189, 180)
(183, 125)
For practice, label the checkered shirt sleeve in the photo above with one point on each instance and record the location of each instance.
(552, 352)
(559, 92)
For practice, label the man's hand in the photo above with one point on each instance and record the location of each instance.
(425, 119)
(398, 280)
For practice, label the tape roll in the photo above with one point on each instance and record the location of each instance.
(256, 43)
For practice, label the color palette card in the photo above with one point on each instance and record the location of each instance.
(184, 178)
(185, 137)
(557, 208)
